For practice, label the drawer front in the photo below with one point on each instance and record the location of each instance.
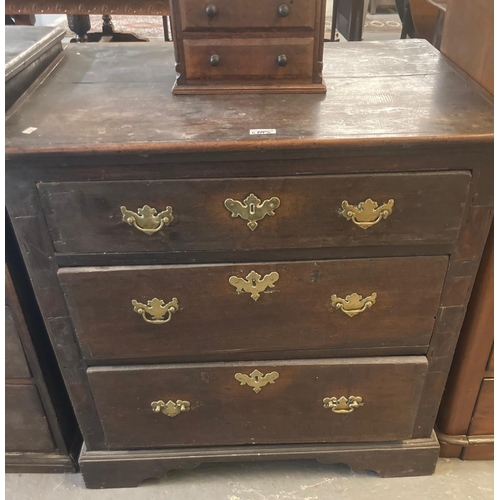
(285, 403)
(247, 59)
(292, 309)
(85, 217)
(16, 365)
(26, 427)
(231, 15)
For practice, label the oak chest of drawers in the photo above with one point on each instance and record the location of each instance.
(217, 295)
(239, 46)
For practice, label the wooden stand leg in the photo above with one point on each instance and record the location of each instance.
(80, 25)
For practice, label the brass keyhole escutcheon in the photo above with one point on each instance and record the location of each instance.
(252, 209)
(257, 380)
(254, 283)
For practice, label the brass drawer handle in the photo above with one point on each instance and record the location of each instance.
(252, 209)
(353, 304)
(156, 310)
(367, 213)
(171, 408)
(256, 379)
(343, 404)
(147, 219)
(254, 283)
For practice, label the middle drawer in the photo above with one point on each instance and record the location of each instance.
(213, 310)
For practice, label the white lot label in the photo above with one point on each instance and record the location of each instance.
(262, 131)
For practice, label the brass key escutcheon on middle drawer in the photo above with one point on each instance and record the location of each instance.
(252, 209)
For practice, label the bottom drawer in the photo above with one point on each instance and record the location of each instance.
(304, 401)
(249, 58)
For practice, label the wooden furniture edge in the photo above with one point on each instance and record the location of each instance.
(129, 468)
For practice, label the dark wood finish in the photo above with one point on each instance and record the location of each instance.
(247, 15)
(295, 315)
(248, 59)
(224, 412)
(479, 452)
(468, 38)
(306, 126)
(385, 116)
(86, 217)
(468, 42)
(29, 50)
(114, 469)
(26, 427)
(472, 362)
(248, 37)
(482, 418)
(16, 365)
(41, 430)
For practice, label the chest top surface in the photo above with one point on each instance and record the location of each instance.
(109, 97)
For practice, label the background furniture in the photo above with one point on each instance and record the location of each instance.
(374, 4)
(211, 374)
(466, 415)
(78, 13)
(268, 46)
(348, 18)
(41, 433)
(29, 50)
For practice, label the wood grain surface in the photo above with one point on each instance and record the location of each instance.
(404, 89)
(85, 217)
(26, 426)
(288, 411)
(247, 15)
(295, 315)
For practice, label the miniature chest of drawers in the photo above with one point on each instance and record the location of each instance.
(216, 295)
(238, 46)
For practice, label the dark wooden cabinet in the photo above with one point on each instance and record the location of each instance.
(465, 419)
(234, 46)
(215, 294)
(41, 433)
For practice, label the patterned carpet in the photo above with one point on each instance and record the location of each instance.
(385, 22)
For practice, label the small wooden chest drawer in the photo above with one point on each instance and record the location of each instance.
(314, 401)
(262, 15)
(238, 58)
(287, 306)
(211, 215)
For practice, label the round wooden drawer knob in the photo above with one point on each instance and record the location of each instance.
(283, 10)
(214, 60)
(282, 60)
(211, 10)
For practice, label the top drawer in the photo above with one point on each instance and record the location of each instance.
(211, 215)
(246, 14)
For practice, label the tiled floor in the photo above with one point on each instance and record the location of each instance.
(301, 480)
